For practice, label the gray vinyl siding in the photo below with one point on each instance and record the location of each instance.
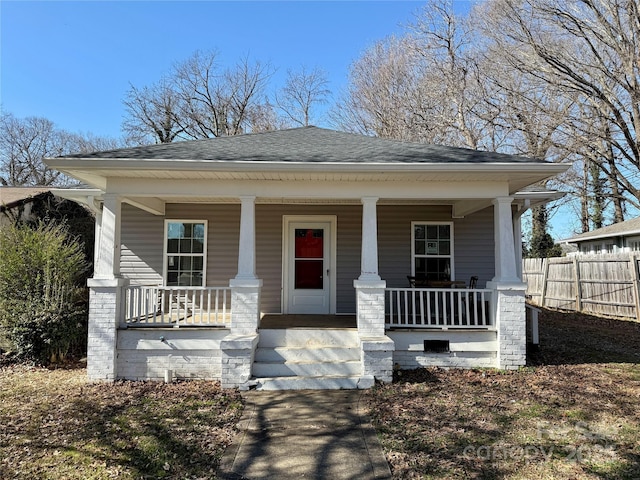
(473, 251)
(142, 243)
(269, 251)
(394, 238)
(475, 247)
(143, 233)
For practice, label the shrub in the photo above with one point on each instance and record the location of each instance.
(42, 300)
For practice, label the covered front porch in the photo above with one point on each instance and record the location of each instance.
(396, 325)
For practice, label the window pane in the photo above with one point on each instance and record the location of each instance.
(172, 279)
(185, 263)
(198, 231)
(185, 246)
(418, 231)
(197, 263)
(198, 246)
(419, 247)
(444, 248)
(309, 243)
(174, 230)
(172, 263)
(308, 274)
(432, 232)
(172, 245)
(444, 232)
(187, 230)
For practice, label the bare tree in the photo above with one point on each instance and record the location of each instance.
(216, 102)
(23, 145)
(589, 49)
(25, 142)
(303, 90)
(152, 113)
(199, 98)
(452, 78)
(263, 118)
(425, 86)
(383, 94)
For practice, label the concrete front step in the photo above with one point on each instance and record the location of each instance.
(308, 358)
(309, 337)
(306, 369)
(312, 383)
(306, 354)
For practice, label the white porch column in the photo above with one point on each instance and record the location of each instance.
(108, 244)
(517, 242)
(369, 254)
(505, 257)
(238, 348)
(105, 294)
(508, 290)
(247, 250)
(376, 348)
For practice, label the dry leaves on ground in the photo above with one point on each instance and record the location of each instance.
(573, 413)
(55, 425)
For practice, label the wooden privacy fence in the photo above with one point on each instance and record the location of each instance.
(604, 284)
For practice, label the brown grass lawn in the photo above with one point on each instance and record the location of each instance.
(574, 413)
(53, 425)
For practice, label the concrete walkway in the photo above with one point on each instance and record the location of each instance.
(314, 434)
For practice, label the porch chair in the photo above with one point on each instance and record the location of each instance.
(417, 282)
(473, 282)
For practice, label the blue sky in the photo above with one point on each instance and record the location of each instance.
(73, 62)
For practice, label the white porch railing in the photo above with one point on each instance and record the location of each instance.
(442, 308)
(177, 306)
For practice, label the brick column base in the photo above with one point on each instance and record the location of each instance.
(376, 348)
(245, 305)
(105, 305)
(377, 358)
(237, 354)
(511, 322)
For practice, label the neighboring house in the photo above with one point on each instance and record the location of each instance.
(16, 203)
(616, 238)
(304, 258)
(30, 205)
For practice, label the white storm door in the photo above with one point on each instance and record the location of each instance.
(308, 266)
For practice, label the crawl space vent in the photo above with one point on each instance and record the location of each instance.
(436, 346)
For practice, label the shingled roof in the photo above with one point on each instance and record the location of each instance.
(306, 144)
(630, 227)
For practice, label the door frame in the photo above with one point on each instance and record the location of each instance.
(287, 221)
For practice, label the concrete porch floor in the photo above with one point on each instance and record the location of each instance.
(275, 321)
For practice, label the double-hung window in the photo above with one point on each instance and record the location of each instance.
(432, 250)
(185, 252)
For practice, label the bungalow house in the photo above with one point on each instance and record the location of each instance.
(304, 258)
(617, 238)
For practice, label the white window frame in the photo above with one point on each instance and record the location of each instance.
(451, 250)
(632, 243)
(165, 257)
